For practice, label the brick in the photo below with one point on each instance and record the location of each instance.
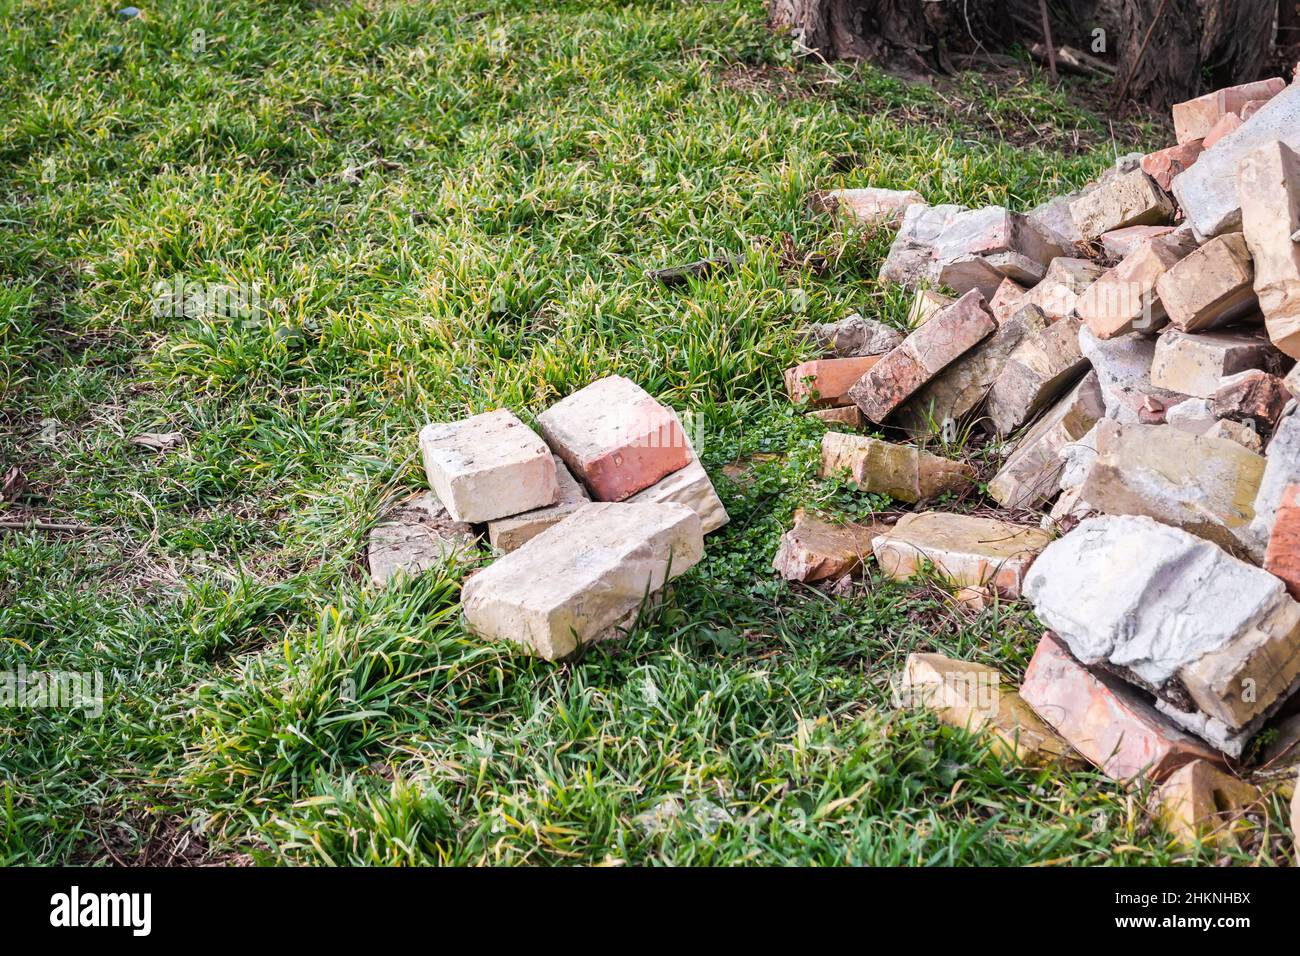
(1211, 287)
(1131, 199)
(1144, 470)
(853, 337)
(581, 580)
(826, 381)
(1282, 559)
(1164, 164)
(1243, 434)
(1031, 475)
(1065, 280)
(1118, 243)
(903, 472)
(956, 392)
(1227, 123)
(921, 356)
(871, 206)
(1042, 366)
(1282, 468)
(1269, 185)
(506, 534)
(974, 698)
(849, 416)
(1007, 299)
(925, 306)
(1194, 118)
(1194, 364)
(1125, 299)
(1106, 721)
(416, 535)
(819, 550)
(1252, 396)
(487, 466)
(688, 486)
(1215, 638)
(1208, 191)
(1200, 804)
(964, 550)
(615, 438)
(912, 256)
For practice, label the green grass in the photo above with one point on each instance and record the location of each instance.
(446, 208)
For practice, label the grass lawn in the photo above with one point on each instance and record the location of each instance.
(444, 208)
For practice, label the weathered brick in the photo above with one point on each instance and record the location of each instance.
(923, 354)
(870, 206)
(487, 466)
(1065, 281)
(1132, 199)
(853, 337)
(900, 471)
(1123, 367)
(1194, 364)
(1211, 287)
(1042, 366)
(964, 550)
(1007, 300)
(824, 382)
(506, 534)
(1269, 192)
(1118, 243)
(1252, 396)
(974, 697)
(615, 438)
(688, 486)
(1227, 124)
(1194, 118)
(816, 549)
(582, 579)
(1105, 720)
(1125, 299)
(1164, 164)
(1283, 555)
(1200, 804)
(1031, 475)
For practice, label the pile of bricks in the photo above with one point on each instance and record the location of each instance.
(589, 520)
(1130, 351)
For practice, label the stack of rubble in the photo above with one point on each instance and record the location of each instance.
(1131, 349)
(591, 519)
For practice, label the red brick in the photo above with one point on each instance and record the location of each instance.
(1194, 118)
(1227, 123)
(1106, 720)
(826, 382)
(1283, 555)
(1164, 164)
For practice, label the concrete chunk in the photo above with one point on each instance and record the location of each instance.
(819, 550)
(1144, 470)
(974, 698)
(1211, 287)
(1106, 721)
(487, 466)
(1042, 366)
(615, 438)
(1268, 187)
(1125, 298)
(688, 486)
(900, 471)
(1216, 638)
(1131, 199)
(964, 550)
(580, 580)
(1123, 366)
(1031, 476)
(1194, 364)
(506, 534)
(1208, 191)
(826, 382)
(921, 356)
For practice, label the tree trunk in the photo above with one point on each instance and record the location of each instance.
(1195, 45)
(903, 35)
